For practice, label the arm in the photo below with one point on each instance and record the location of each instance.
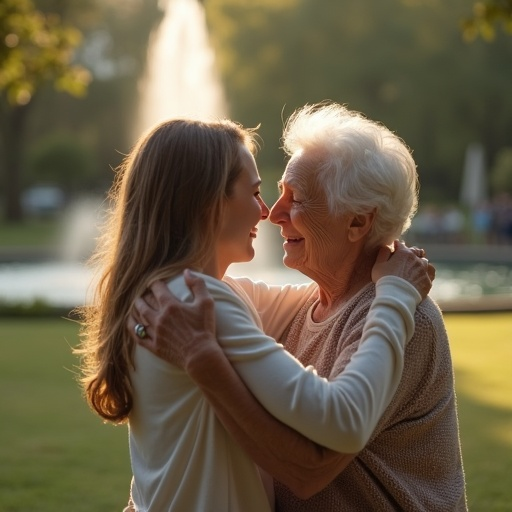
(289, 457)
(266, 443)
(340, 414)
(276, 306)
(303, 466)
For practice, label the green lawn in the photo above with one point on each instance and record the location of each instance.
(56, 456)
(482, 354)
(31, 233)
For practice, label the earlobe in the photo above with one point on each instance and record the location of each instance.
(360, 226)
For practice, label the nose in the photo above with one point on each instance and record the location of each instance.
(277, 212)
(264, 209)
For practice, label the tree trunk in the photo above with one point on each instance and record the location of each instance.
(13, 138)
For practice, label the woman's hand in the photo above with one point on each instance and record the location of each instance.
(175, 331)
(409, 263)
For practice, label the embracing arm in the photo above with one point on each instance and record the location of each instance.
(302, 465)
(342, 413)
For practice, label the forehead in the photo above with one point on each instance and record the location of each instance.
(249, 168)
(301, 170)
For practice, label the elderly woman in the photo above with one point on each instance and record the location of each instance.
(350, 187)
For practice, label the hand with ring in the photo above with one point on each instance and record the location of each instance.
(174, 330)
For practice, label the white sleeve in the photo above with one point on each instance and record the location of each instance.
(276, 305)
(340, 414)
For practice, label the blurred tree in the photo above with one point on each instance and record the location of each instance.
(34, 48)
(60, 159)
(487, 15)
(402, 62)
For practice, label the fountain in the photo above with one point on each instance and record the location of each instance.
(181, 78)
(474, 183)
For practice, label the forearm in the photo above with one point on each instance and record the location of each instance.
(289, 457)
(340, 414)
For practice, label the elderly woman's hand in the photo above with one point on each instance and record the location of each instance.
(173, 330)
(409, 263)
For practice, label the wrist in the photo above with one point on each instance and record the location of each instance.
(198, 360)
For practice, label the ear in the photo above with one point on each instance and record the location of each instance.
(360, 225)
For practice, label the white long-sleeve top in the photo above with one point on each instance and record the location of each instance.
(182, 457)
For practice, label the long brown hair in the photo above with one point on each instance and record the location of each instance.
(167, 200)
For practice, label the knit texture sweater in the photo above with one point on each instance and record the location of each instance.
(412, 461)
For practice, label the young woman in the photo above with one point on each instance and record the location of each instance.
(188, 196)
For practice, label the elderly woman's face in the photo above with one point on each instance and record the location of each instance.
(315, 240)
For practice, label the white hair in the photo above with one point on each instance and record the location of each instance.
(362, 166)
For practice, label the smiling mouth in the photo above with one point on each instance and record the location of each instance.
(293, 240)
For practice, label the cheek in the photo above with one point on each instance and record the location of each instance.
(320, 233)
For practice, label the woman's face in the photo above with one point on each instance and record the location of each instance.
(243, 211)
(315, 240)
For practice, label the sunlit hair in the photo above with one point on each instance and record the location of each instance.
(361, 166)
(167, 201)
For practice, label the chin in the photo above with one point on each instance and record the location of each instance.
(289, 262)
(249, 256)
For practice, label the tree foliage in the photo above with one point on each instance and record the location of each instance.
(35, 48)
(56, 46)
(61, 159)
(501, 173)
(486, 18)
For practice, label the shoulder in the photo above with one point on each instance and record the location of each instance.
(428, 352)
(215, 287)
(429, 317)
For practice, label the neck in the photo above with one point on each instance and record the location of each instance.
(215, 268)
(337, 289)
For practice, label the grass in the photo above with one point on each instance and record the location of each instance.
(31, 233)
(482, 354)
(56, 456)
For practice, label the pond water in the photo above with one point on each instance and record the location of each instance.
(68, 284)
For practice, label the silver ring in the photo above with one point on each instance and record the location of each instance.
(140, 331)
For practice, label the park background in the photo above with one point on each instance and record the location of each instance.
(79, 82)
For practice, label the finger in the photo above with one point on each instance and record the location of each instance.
(383, 255)
(397, 245)
(200, 291)
(147, 341)
(142, 311)
(161, 292)
(135, 315)
(150, 298)
(196, 284)
(431, 271)
(418, 251)
(130, 325)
